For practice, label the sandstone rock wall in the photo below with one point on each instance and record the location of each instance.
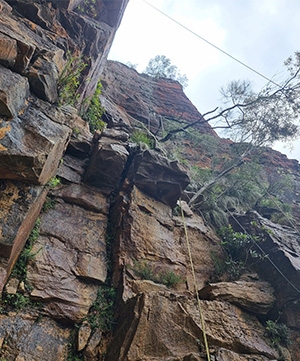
(110, 221)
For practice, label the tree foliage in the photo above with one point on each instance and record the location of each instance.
(160, 67)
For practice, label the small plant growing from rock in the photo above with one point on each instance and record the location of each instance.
(278, 333)
(53, 182)
(141, 138)
(48, 204)
(168, 278)
(93, 114)
(69, 81)
(101, 314)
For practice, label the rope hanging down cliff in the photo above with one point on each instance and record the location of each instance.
(195, 283)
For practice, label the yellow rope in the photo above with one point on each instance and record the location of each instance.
(195, 284)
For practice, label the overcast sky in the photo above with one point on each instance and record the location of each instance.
(260, 33)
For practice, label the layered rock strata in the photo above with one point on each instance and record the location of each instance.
(111, 220)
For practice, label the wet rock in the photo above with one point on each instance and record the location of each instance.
(106, 165)
(158, 177)
(26, 339)
(14, 91)
(71, 252)
(84, 334)
(257, 297)
(32, 146)
(157, 326)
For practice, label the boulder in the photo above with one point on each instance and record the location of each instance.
(70, 260)
(257, 297)
(14, 91)
(92, 350)
(158, 177)
(25, 338)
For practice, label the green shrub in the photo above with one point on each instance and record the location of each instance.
(278, 333)
(69, 81)
(239, 249)
(93, 114)
(53, 182)
(101, 314)
(139, 136)
(168, 278)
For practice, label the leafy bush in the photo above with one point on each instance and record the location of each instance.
(139, 136)
(239, 248)
(69, 81)
(278, 333)
(94, 113)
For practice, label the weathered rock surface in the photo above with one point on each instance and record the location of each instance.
(158, 177)
(106, 165)
(282, 245)
(146, 232)
(14, 91)
(71, 252)
(256, 297)
(32, 146)
(147, 99)
(23, 338)
(158, 326)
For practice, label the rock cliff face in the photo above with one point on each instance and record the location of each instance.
(110, 223)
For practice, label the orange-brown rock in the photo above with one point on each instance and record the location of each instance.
(150, 100)
(147, 233)
(70, 253)
(23, 338)
(257, 297)
(165, 326)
